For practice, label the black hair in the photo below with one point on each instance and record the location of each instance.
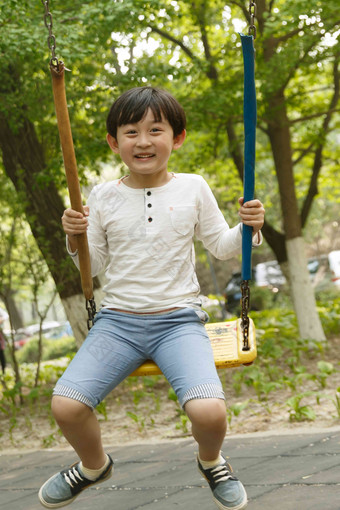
(132, 106)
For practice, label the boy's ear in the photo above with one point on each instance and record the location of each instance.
(179, 139)
(112, 143)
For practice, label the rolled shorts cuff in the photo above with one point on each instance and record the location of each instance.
(64, 391)
(203, 391)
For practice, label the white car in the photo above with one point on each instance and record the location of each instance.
(334, 266)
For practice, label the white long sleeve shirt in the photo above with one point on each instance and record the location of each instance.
(144, 240)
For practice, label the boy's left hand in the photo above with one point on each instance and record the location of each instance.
(252, 214)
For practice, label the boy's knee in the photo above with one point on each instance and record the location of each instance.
(208, 413)
(68, 410)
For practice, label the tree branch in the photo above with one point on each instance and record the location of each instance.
(303, 153)
(199, 11)
(235, 148)
(173, 39)
(314, 116)
(242, 7)
(276, 240)
(286, 37)
(317, 165)
(115, 60)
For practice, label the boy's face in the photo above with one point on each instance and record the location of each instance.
(145, 147)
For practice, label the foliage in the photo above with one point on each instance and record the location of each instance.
(182, 424)
(298, 412)
(280, 361)
(52, 349)
(191, 48)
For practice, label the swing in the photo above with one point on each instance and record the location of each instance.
(233, 342)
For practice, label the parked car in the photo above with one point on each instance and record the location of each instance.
(232, 293)
(324, 272)
(269, 275)
(21, 336)
(334, 265)
(51, 330)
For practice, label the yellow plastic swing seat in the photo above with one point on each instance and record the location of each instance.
(227, 343)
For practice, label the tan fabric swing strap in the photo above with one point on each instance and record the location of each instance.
(70, 163)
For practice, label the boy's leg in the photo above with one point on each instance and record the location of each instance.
(208, 418)
(186, 359)
(80, 427)
(103, 361)
(209, 425)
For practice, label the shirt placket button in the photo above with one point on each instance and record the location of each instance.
(149, 205)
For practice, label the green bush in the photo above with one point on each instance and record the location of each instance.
(52, 349)
(59, 348)
(329, 310)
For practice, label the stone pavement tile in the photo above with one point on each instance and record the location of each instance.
(187, 499)
(37, 466)
(302, 471)
(123, 499)
(179, 449)
(329, 444)
(326, 476)
(166, 498)
(298, 498)
(256, 491)
(106, 498)
(279, 445)
(16, 499)
(41, 457)
(158, 474)
(283, 470)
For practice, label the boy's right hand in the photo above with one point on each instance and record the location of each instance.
(75, 223)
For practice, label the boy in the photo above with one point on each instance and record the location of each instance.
(141, 228)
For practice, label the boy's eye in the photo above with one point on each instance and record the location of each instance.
(155, 130)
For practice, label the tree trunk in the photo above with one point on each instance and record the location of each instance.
(11, 307)
(74, 307)
(24, 164)
(301, 288)
(302, 292)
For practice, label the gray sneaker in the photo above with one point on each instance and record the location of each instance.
(63, 488)
(228, 491)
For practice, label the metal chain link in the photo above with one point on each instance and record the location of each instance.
(245, 301)
(91, 311)
(252, 14)
(51, 42)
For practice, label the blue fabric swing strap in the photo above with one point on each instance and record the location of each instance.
(249, 119)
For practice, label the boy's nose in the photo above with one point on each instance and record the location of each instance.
(143, 141)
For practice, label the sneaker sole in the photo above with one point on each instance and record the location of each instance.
(69, 501)
(241, 506)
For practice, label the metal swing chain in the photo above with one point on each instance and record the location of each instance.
(91, 312)
(51, 42)
(245, 301)
(252, 14)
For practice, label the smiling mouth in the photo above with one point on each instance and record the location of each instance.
(144, 156)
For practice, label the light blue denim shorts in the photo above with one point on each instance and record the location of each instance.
(119, 342)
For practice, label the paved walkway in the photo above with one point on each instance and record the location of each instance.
(288, 472)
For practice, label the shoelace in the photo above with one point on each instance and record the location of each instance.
(221, 474)
(71, 477)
